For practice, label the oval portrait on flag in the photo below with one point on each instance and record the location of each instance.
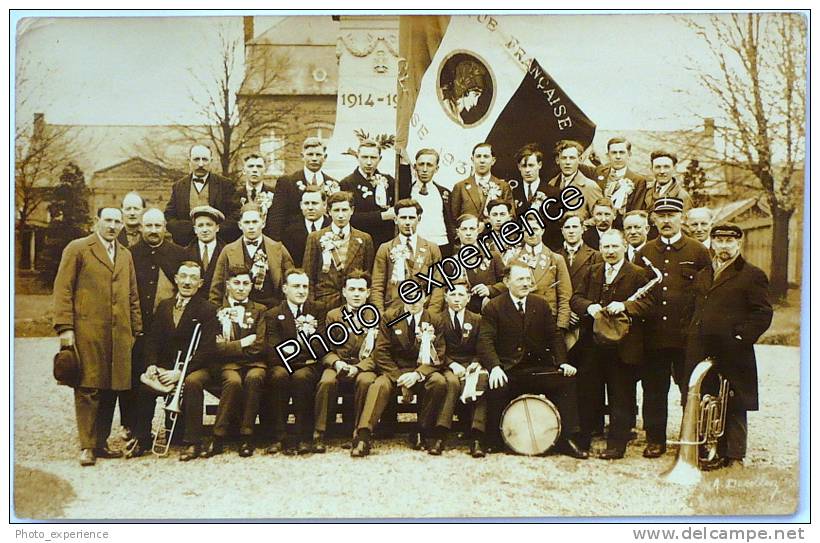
(466, 88)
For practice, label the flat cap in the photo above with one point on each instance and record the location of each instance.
(668, 204)
(727, 229)
(208, 211)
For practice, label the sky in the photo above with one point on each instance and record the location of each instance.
(624, 71)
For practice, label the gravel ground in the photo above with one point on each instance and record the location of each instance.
(393, 482)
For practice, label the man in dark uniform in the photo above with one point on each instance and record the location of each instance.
(517, 344)
(679, 258)
(311, 219)
(206, 248)
(732, 310)
(604, 293)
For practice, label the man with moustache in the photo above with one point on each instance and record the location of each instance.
(400, 369)
(200, 187)
(732, 310)
(699, 223)
(335, 251)
(348, 366)
(604, 294)
(636, 229)
(373, 194)
(132, 207)
(603, 215)
(255, 190)
(531, 190)
(517, 344)
(265, 258)
(170, 333)
(402, 257)
(97, 313)
(206, 248)
(289, 188)
(626, 188)
(436, 225)
(664, 184)
(568, 158)
(312, 211)
(471, 195)
(679, 258)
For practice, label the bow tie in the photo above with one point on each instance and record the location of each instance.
(240, 304)
(254, 243)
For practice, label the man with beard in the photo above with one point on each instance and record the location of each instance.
(568, 157)
(679, 258)
(699, 223)
(132, 207)
(206, 248)
(636, 229)
(255, 191)
(602, 216)
(312, 212)
(472, 195)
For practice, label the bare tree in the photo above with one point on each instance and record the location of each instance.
(759, 80)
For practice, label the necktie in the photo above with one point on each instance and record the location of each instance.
(521, 309)
(253, 194)
(610, 274)
(298, 311)
(111, 253)
(206, 258)
(315, 180)
(409, 249)
(177, 313)
(313, 227)
(423, 190)
(456, 324)
(411, 326)
(529, 192)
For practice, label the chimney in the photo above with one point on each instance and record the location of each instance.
(709, 127)
(247, 23)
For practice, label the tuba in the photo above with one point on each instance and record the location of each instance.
(173, 401)
(704, 421)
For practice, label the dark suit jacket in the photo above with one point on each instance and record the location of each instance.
(552, 229)
(164, 339)
(221, 195)
(148, 261)
(278, 326)
(192, 253)
(490, 273)
(591, 291)
(736, 304)
(295, 236)
(286, 202)
(506, 341)
(467, 197)
(585, 257)
(397, 347)
(385, 293)
(636, 199)
(592, 238)
(463, 347)
(231, 355)
(233, 254)
(326, 287)
(349, 350)
(367, 216)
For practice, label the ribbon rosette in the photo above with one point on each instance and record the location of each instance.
(330, 243)
(306, 324)
(227, 316)
(259, 269)
(538, 198)
(426, 334)
(380, 183)
(399, 255)
(330, 187)
(368, 343)
(265, 200)
(618, 191)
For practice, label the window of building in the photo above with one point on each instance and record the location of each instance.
(272, 147)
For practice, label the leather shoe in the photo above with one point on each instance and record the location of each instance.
(214, 448)
(654, 450)
(304, 448)
(105, 452)
(612, 453)
(360, 449)
(245, 449)
(476, 450)
(570, 448)
(437, 448)
(191, 452)
(87, 457)
(319, 443)
(416, 441)
(275, 448)
(134, 448)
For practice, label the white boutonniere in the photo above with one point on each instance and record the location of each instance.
(265, 200)
(259, 269)
(397, 331)
(466, 330)
(380, 185)
(538, 198)
(330, 244)
(301, 185)
(306, 324)
(399, 255)
(228, 316)
(426, 335)
(330, 187)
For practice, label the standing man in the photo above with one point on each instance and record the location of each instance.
(603, 215)
(679, 258)
(312, 212)
(206, 248)
(568, 157)
(436, 225)
(665, 185)
(402, 257)
(97, 312)
(255, 190)
(132, 207)
(518, 342)
(699, 223)
(200, 187)
(472, 195)
(531, 191)
(636, 229)
(335, 251)
(373, 194)
(604, 294)
(289, 188)
(626, 188)
(265, 258)
(732, 311)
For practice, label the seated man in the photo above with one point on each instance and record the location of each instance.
(240, 365)
(409, 358)
(171, 332)
(461, 338)
(297, 377)
(524, 353)
(349, 365)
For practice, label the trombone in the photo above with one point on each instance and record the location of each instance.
(172, 404)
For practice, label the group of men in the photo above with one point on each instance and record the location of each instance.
(271, 296)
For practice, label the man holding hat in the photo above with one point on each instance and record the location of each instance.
(732, 310)
(679, 258)
(206, 248)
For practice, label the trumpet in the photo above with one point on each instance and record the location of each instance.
(173, 401)
(703, 424)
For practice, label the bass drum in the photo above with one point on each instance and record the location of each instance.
(530, 425)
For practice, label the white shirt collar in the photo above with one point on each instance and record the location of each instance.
(249, 187)
(516, 301)
(617, 266)
(361, 172)
(535, 183)
(670, 241)
(344, 231)
(483, 179)
(106, 244)
(320, 178)
(636, 249)
(413, 240)
(460, 315)
(573, 248)
(232, 302)
(295, 308)
(318, 222)
(211, 246)
(534, 250)
(567, 180)
(416, 316)
(258, 240)
(620, 173)
(707, 243)
(196, 179)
